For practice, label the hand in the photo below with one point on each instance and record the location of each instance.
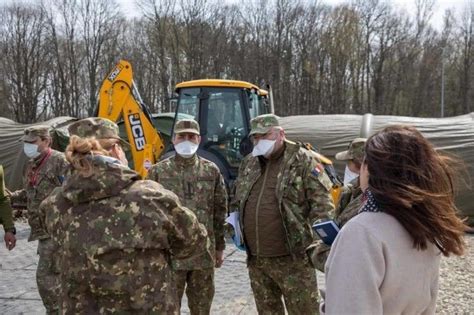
(10, 240)
(219, 258)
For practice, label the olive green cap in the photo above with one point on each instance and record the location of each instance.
(187, 126)
(355, 151)
(31, 133)
(97, 127)
(263, 123)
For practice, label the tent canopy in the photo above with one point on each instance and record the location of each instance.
(11, 148)
(328, 133)
(333, 133)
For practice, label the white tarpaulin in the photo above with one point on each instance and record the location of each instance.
(332, 133)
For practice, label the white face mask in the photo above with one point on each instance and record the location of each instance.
(31, 150)
(349, 175)
(186, 149)
(263, 147)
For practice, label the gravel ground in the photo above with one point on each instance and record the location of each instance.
(18, 294)
(456, 287)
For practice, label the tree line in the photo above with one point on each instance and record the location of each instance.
(366, 56)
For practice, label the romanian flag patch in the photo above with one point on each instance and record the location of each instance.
(317, 169)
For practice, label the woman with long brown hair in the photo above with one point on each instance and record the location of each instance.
(386, 259)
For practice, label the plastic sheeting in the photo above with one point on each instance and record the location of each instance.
(333, 133)
(11, 149)
(328, 133)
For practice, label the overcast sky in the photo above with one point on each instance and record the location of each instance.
(129, 9)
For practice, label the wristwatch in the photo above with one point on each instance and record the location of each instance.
(11, 230)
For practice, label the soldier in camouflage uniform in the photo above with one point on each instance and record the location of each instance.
(350, 200)
(45, 171)
(6, 217)
(200, 187)
(116, 232)
(280, 191)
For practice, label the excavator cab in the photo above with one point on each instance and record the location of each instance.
(223, 109)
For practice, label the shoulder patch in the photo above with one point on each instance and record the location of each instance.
(325, 181)
(317, 169)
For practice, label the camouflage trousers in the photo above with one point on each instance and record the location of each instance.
(272, 278)
(199, 289)
(319, 255)
(47, 275)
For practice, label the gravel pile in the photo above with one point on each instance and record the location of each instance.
(456, 287)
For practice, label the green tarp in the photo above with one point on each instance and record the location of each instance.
(329, 133)
(11, 149)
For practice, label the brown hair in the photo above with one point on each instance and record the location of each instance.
(79, 151)
(413, 182)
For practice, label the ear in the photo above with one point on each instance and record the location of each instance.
(49, 141)
(282, 134)
(114, 151)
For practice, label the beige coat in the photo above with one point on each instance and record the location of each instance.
(373, 268)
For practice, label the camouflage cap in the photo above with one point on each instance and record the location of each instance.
(187, 125)
(100, 128)
(31, 133)
(263, 123)
(354, 152)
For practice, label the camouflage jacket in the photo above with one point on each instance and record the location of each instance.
(116, 235)
(349, 202)
(38, 183)
(302, 193)
(200, 187)
(6, 218)
(348, 207)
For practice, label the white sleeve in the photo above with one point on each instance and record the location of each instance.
(354, 273)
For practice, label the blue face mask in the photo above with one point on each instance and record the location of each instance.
(31, 150)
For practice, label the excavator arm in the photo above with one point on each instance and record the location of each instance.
(119, 98)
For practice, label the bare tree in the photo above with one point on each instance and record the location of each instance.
(25, 60)
(366, 56)
(101, 25)
(160, 51)
(466, 58)
(65, 89)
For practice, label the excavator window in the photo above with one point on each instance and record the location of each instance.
(254, 104)
(225, 124)
(189, 102)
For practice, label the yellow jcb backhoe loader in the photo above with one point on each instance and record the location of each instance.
(119, 98)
